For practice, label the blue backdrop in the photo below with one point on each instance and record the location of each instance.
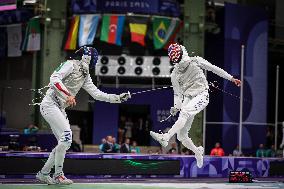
(246, 26)
(106, 115)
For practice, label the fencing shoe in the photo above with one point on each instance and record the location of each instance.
(61, 179)
(161, 138)
(44, 178)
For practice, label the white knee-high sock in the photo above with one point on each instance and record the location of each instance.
(179, 124)
(189, 144)
(60, 152)
(49, 163)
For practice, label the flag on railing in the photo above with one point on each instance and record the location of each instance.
(32, 36)
(88, 29)
(163, 28)
(138, 28)
(112, 28)
(14, 40)
(71, 42)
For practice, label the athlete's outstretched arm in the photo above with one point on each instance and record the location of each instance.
(204, 64)
(99, 95)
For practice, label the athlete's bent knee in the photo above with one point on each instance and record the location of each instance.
(65, 140)
(184, 140)
(181, 136)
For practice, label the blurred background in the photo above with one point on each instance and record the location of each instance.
(132, 37)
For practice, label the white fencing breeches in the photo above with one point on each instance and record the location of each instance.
(59, 124)
(190, 107)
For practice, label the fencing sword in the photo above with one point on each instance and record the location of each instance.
(161, 121)
(149, 90)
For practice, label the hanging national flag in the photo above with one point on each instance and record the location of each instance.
(14, 40)
(163, 28)
(32, 36)
(88, 29)
(112, 28)
(173, 37)
(71, 42)
(138, 28)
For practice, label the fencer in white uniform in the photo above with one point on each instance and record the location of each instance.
(190, 95)
(65, 83)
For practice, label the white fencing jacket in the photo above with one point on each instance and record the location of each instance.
(69, 78)
(188, 78)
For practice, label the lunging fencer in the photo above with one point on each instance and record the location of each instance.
(190, 95)
(65, 82)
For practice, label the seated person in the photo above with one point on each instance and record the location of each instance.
(108, 146)
(260, 152)
(237, 151)
(102, 144)
(30, 129)
(217, 151)
(173, 149)
(125, 147)
(116, 147)
(134, 148)
(271, 152)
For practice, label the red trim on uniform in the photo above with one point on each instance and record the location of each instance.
(57, 85)
(61, 177)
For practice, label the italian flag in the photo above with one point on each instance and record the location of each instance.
(112, 28)
(32, 36)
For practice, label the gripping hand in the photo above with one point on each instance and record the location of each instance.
(174, 111)
(124, 97)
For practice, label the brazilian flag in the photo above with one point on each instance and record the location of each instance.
(163, 29)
